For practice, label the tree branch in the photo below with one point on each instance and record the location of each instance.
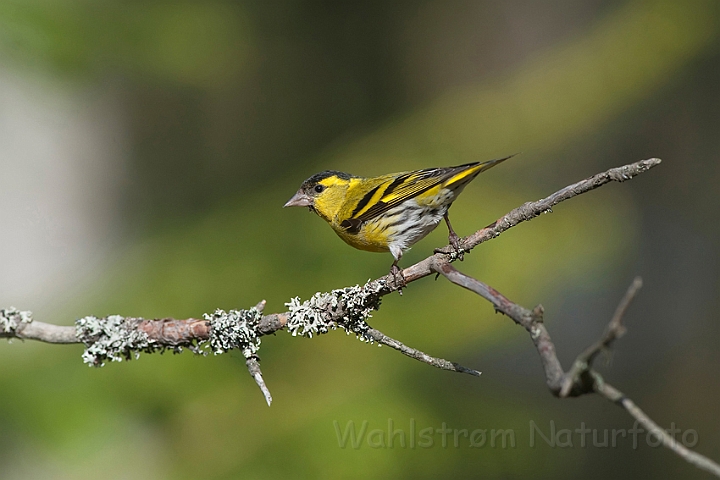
(700, 461)
(117, 337)
(526, 212)
(581, 379)
(172, 332)
(324, 311)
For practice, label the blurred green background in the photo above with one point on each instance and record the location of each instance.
(146, 149)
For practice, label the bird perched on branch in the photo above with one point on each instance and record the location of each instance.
(391, 212)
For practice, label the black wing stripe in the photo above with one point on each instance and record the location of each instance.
(397, 182)
(422, 181)
(364, 201)
(382, 207)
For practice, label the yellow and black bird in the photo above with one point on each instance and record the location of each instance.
(391, 212)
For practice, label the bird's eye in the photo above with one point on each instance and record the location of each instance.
(319, 188)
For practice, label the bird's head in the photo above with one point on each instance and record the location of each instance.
(324, 193)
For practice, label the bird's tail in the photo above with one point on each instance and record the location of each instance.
(491, 163)
(464, 173)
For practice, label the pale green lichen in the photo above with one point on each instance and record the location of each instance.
(348, 308)
(111, 338)
(116, 338)
(236, 329)
(12, 318)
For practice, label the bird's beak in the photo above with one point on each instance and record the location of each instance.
(300, 199)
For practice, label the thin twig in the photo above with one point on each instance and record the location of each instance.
(253, 366)
(443, 364)
(700, 461)
(614, 330)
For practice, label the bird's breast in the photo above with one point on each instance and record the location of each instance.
(368, 237)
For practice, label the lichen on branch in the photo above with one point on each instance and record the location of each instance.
(11, 319)
(116, 338)
(236, 329)
(348, 308)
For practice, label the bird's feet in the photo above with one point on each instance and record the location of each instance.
(398, 277)
(454, 241)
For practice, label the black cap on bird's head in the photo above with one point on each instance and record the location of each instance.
(312, 187)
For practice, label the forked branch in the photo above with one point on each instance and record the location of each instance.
(581, 379)
(349, 308)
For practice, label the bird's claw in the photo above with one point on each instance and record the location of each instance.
(398, 278)
(454, 240)
(456, 252)
(455, 243)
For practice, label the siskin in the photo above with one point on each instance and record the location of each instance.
(389, 213)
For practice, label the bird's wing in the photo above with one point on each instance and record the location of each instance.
(399, 188)
(396, 189)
